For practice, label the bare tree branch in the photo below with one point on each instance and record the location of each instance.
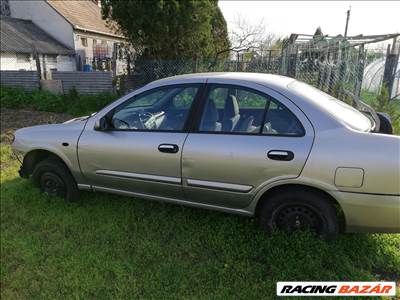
(247, 37)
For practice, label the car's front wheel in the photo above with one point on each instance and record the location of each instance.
(54, 179)
(292, 211)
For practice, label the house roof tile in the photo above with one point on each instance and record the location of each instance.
(84, 15)
(22, 36)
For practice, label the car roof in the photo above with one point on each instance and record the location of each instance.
(271, 80)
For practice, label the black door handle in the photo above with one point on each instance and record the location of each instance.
(280, 155)
(168, 148)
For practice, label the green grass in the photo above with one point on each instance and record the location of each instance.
(115, 247)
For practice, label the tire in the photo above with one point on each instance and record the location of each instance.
(292, 211)
(54, 179)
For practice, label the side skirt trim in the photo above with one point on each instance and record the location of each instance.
(173, 201)
(139, 176)
(219, 185)
(85, 187)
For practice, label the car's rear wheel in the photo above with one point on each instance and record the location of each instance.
(55, 180)
(300, 211)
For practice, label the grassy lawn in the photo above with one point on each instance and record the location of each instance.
(115, 247)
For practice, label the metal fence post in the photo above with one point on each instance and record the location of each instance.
(359, 71)
(390, 68)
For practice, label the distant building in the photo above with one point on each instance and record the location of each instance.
(21, 39)
(76, 24)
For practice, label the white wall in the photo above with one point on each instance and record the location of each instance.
(88, 50)
(8, 61)
(45, 17)
(66, 63)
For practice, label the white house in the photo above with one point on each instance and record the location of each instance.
(21, 41)
(76, 24)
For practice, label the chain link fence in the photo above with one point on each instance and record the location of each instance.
(333, 70)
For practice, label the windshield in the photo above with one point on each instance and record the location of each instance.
(340, 110)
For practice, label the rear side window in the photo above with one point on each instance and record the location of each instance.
(281, 121)
(234, 109)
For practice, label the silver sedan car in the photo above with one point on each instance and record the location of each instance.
(251, 144)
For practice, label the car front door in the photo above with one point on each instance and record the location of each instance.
(139, 149)
(247, 135)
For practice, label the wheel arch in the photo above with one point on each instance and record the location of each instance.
(295, 187)
(33, 157)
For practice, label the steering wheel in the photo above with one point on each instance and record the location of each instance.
(145, 115)
(120, 124)
(136, 121)
(132, 122)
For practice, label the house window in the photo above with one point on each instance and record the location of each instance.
(104, 43)
(84, 42)
(52, 59)
(23, 58)
(94, 42)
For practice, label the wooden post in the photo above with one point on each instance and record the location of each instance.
(269, 60)
(291, 66)
(44, 66)
(114, 59)
(37, 60)
(128, 63)
(342, 67)
(237, 61)
(281, 62)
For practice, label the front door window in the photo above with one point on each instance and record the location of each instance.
(164, 109)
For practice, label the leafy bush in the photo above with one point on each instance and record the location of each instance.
(381, 103)
(46, 101)
(87, 104)
(72, 103)
(14, 97)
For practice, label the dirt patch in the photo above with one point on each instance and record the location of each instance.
(12, 119)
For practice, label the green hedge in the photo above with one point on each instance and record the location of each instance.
(72, 103)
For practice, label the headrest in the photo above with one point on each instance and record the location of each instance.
(231, 107)
(210, 116)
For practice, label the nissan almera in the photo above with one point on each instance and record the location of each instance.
(251, 144)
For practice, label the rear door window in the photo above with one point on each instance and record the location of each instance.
(235, 109)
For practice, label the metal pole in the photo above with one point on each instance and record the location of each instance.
(347, 21)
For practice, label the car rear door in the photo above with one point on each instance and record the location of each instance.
(141, 151)
(246, 136)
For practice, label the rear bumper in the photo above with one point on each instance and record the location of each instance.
(370, 212)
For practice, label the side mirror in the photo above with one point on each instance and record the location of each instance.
(101, 124)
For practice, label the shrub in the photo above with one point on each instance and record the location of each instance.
(72, 103)
(381, 103)
(14, 97)
(86, 104)
(46, 101)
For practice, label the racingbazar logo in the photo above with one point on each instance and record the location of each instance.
(351, 288)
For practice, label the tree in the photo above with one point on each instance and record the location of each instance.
(318, 32)
(173, 29)
(246, 39)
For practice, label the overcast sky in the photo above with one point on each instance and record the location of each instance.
(285, 17)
